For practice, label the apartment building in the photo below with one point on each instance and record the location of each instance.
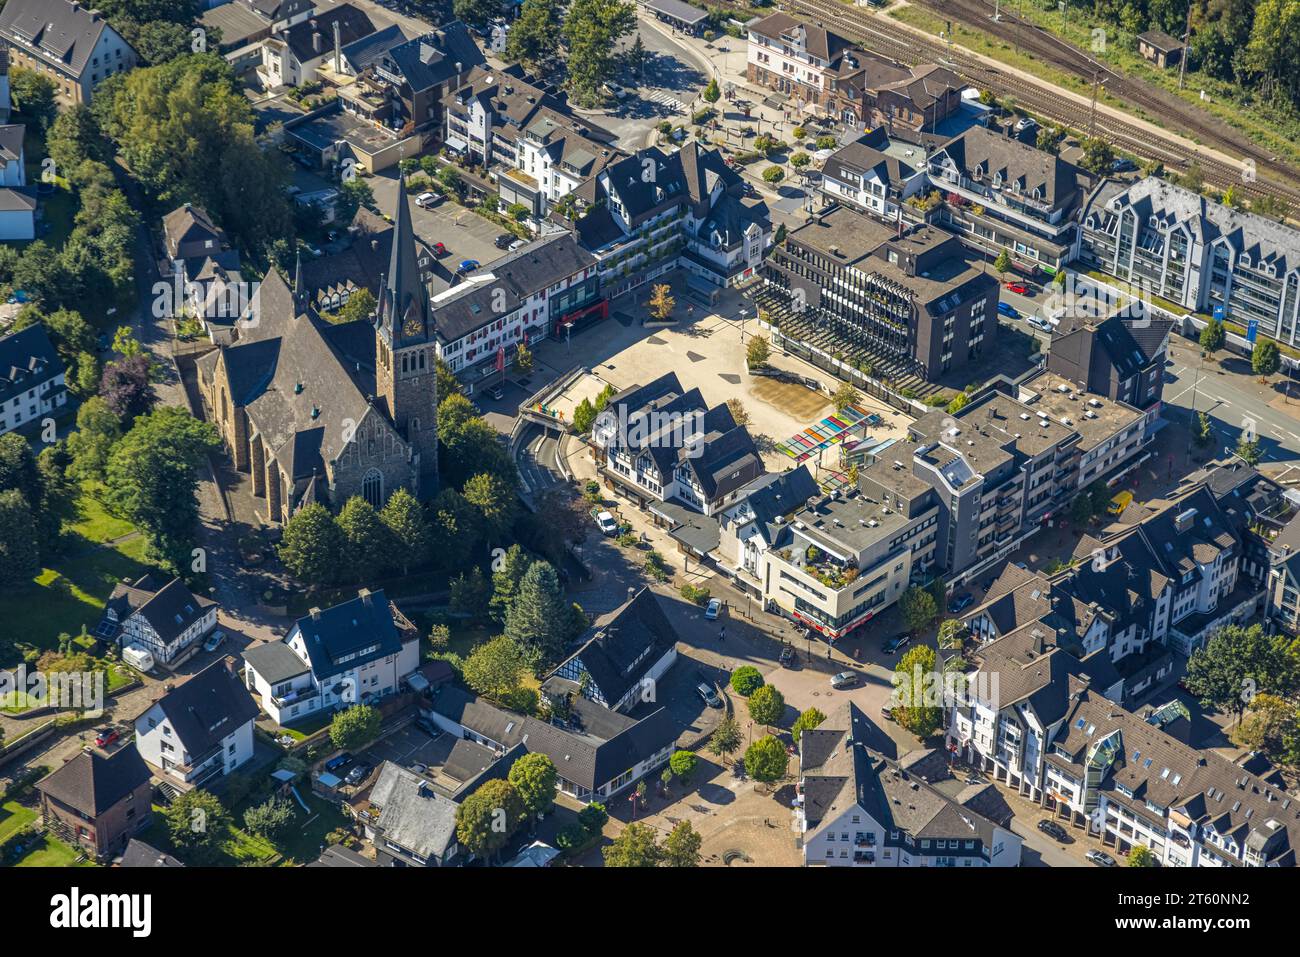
(536, 151)
(908, 301)
(292, 56)
(547, 287)
(656, 211)
(1121, 357)
(869, 175)
(1053, 733)
(355, 652)
(1002, 194)
(32, 382)
(660, 443)
(69, 43)
(857, 808)
(1197, 253)
(754, 523)
(823, 72)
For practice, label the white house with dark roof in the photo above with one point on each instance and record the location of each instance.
(292, 55)
(17, 201)
(856, 808)
(199, 729)
(622, 659)
(32, 381)
(863, 175)
(66, 40)
(353, 653)
(168, 621)
(409, 821)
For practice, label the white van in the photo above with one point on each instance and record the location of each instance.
(138, 658)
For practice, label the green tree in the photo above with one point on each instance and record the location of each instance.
(360, 305)
(33, 94)
(591, 31)
(766, 760)
(313, 547)
(151, 480)
(1265, 359)
(683, 763)
(1141, 856)
(495, 668)
(635, 846)
(1248, 450)
(844, 396)
(488, 818)
(800, 160)
(505, 580)
(584, 417)
(1236, 664)
(269, 819)
(534, 778)
(757, 352)
(73, 138)
(1213, 336)
(681, 847)
(918, 608)
(1204, 433)
(367, 542)
(1270, 725)
(477, 13)
(197, 823)
(593, 817)
(470, 593)
(454, 530)
(496, 502)
(539, 618)
(711, 92)
(353, 194)
(806, 721)
(958, 403)
(767, 706)
(773, 175)
(726, 738)
(745, 680)
(1003, 263)
(952, 634)
(19, 549)
(1098, 154)
(355, 727)
(534, 38)
(404, 517)
(910, 706)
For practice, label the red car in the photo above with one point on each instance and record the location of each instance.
(106, 736)
(439, 249)
(1016, 287)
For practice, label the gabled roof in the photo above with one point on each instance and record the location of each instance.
(140, 854)
(27, 358)
(435, 57)
(58, 30)
(274, 661)
(624, 646)
(208, 707)
(412, 814)
(990, 154)
(816, 39)
(366, 50)
(92, 783)
(188, 224)
(779, 495)
(301, 38)
(349, 634)
(172, 609)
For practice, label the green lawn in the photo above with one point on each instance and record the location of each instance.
(13, 818)
(51, 852)
(93, 522)
(305, 729)
(64, 598)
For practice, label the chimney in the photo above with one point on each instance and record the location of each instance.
(315, 613)
(364, 595)
(316, 41)
(338, 49)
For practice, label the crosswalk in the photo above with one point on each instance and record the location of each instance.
(666, 99)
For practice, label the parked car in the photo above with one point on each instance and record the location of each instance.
(503, 241)
(439, 250)
(887, 714)
(426, 724)
(708, 695)
(468, 265)
(787, 656)
(517, 244)
(1017, 287)
(214, 640)
(106, 736)
(338, 762)
(1038, 322)
(896, 644)
(974, 779)
(1054, 831)
(427, 200)
(1100, 858)
(358, 773)
(605, 522)
(1123, 165)
(1118, 503)
(960, 602)
(845, 679)
(714, 609)
(1008, 310)
(1025, 123)
(496, 392)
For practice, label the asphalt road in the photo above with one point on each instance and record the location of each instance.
(536, 459)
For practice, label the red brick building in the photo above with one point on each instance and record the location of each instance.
(98, 802)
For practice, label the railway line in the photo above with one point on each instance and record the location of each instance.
(906, 47)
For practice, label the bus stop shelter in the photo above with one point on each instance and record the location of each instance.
(681, 15)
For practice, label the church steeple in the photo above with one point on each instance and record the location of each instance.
(403, 309)
(299, 293)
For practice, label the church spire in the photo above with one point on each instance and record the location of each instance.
(403, 303)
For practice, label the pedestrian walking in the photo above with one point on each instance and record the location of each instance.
(722, 633)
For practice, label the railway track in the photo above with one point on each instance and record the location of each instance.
(906, 47)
